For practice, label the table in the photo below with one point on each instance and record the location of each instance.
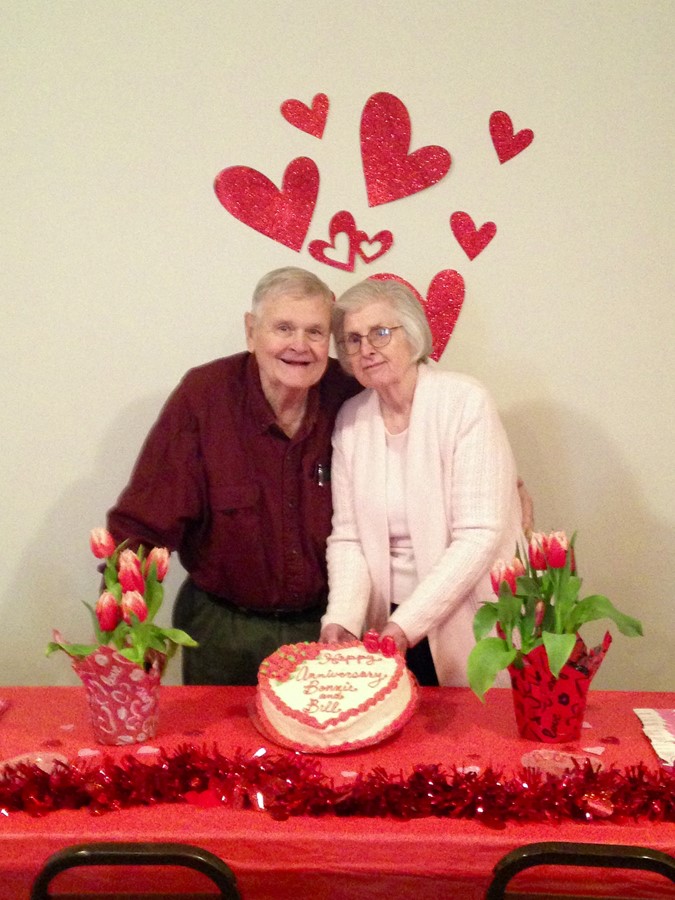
(329, 857)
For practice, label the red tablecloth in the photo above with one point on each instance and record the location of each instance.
(329, 857)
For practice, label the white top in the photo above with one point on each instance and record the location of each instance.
(402, 556)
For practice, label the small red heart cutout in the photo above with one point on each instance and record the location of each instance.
(472, 240)
(506, 143)
(384, 238)
(283, 215)
(390, 171)
(343, 223)
(442, 306)
(310, 119)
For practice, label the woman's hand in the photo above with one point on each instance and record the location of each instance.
(336, 634)
(395, 632)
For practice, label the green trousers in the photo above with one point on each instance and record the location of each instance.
(233, 642)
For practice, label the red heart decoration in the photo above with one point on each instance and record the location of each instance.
(282, 215)
(506, 143)
(311, 120)
(470, 239)
(343, 223)
(384, 238)
(390, 172)
(442, 306)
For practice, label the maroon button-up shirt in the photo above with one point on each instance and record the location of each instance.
(247, 508)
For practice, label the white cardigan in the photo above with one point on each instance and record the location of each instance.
(463, 511)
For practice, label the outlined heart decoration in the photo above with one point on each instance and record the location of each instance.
(506, 143)
(390, 171)
(343, 223)
(283, 215)
(442, 306)
(310, 119)
(472, 240)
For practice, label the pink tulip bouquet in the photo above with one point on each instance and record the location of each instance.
(123, 616)
(537, 604)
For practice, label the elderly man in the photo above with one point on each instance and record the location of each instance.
(235, 476)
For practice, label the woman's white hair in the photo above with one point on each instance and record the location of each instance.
(293, 281)
(402, 301)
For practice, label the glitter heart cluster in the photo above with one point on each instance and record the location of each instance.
(392, 172)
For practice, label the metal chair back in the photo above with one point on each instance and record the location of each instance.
(140, 853)
(562, 853)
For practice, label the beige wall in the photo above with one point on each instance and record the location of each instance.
(120, 269)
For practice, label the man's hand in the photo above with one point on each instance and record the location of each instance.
(336, 634)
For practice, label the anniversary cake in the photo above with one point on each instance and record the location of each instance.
(330, 698)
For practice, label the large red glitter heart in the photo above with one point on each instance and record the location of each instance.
(311, 120)
(472, 240)
(283, 215)
(343, 223)
(390, 172)
(442, 306)
(506, 143)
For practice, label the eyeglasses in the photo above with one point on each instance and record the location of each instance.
(379, 336)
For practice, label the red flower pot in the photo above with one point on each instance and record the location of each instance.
(123, 697)
(552, 709)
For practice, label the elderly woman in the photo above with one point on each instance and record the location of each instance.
(424, 485)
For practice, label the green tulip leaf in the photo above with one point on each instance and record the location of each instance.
(77, 650)
(598, 606)
(484, 620)
(154, 594)
(509, 612)
(558, 650)
(486, 660)
(179, 637)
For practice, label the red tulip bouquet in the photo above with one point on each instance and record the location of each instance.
(122, 669)
(538, 613)
(123, 616)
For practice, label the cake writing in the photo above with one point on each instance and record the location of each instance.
(317, 680)
(341, 658)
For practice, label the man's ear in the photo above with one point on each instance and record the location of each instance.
(249, 327)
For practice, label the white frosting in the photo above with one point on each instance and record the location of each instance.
(329, 689)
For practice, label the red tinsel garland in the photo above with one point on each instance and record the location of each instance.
(294, 785)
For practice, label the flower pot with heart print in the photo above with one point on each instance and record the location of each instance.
(122, 668)
(537, 617)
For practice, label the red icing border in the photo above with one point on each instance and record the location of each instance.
(278, 661)
(304, 718)
(267, 730)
